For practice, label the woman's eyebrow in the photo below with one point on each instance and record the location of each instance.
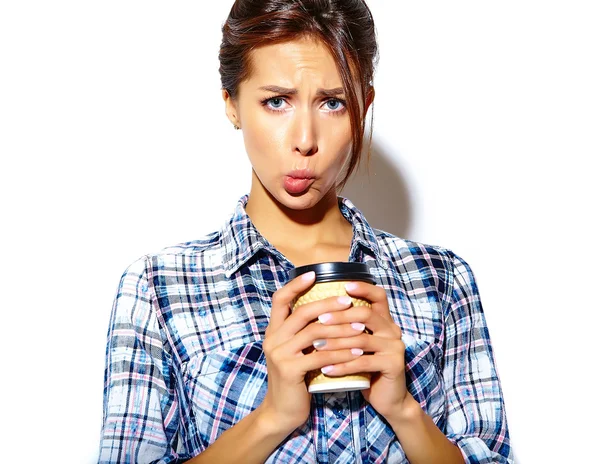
(320, 92)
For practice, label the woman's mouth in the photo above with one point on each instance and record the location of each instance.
(295, 186)
(298, 181)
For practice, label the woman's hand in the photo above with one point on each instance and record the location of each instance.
(287, 402)
(388, 393)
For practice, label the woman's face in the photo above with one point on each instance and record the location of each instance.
(295, 122)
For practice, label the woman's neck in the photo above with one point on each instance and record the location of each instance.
(322, 227)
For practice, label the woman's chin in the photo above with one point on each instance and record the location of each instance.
(306, 200)
(294, 199)
(298, 201)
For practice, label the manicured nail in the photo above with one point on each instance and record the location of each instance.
(319, 343)
(345, 300)
(326, 369)
(323, 318)
(356, 351)
(351, 286)
(309, 276)
(358, 326)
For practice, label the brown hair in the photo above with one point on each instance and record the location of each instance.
(345, 27)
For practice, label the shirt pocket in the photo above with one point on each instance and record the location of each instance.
(424, 377)
(224, 386)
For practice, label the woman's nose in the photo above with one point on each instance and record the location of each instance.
(305, 133)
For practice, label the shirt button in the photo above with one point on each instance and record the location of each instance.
(338, 411)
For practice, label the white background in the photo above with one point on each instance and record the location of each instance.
(114, 143)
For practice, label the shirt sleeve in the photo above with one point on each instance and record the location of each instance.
(476, 420)
(140, 409)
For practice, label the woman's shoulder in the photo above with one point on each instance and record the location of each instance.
(411, 254)
(206, 249)
(419, 262)
(396, 247)
(200, 245)
(393, 247)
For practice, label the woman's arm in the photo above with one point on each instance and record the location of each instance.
(287, 403)
(141, 415)
(140, 411)
(476, 419)
(421, 439)
(251, 440)
(476, 428)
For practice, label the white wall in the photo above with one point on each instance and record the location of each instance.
(114, 143)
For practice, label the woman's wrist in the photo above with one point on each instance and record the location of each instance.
(251, 440)
(270, 424)
(421, 439)
(405, 414)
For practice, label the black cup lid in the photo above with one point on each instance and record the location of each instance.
(330, 272)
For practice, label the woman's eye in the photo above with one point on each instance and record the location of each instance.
(276, 102)
(334, 105)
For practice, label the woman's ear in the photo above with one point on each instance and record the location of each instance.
(231, 109)
(369, 99)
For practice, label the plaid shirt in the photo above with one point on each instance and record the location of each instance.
(185, 359)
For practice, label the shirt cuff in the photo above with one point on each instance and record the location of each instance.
(475, 451)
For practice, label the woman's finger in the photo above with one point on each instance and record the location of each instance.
(282, 298)
(390, 365)
(376, 295)
(319, 359)
(365, 342)
(306, 337)
(375, 322)
(310, 312)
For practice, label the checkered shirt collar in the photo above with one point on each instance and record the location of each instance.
(241, 239)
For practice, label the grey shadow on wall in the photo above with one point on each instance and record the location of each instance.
(380, 191)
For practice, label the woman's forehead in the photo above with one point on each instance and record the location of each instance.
(303, 61)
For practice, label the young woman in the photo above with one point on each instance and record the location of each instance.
(205, 360)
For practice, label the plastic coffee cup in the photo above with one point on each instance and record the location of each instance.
(329, 281)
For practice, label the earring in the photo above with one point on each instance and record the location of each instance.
(236, 127)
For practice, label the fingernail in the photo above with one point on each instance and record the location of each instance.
(345, 300)
(358, 326)
(351, 286)
(323, 318)
(319, 343)
(356, 351)
(326, 369)
(308, 276)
